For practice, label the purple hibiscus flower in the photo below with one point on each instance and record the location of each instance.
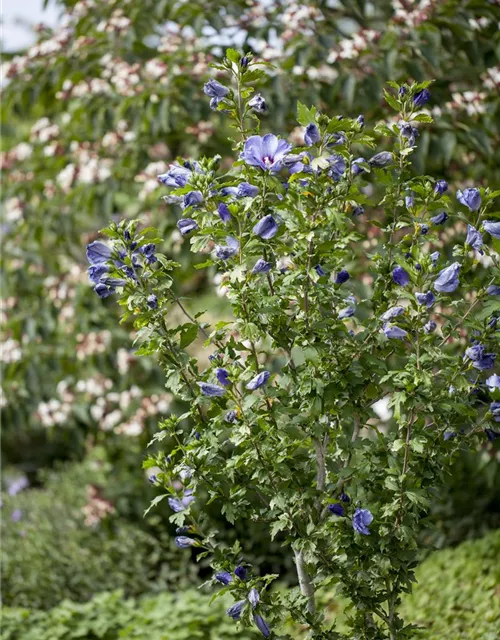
(360, 521)
(421, 97)
(261, 625)
(355, 168)
(430, 326)
(259, 380)
(17, 514)
(224, 252)
(492, 227)
(470, 198)
(495, 410)
(180, 504)
(426, 298)
(216, 91)
(440, 218)
(224, 213)
(193, 198)
(447, 280)
(261, 266)
(186, 225)
(392, 331)
(258, 104)
(224, 577)
(474, 238)
(223, 376)
(98, 253)
(266, 228)
(241, 572)
(266, 152)
(493, 382)
(253, 597)
(337, 166)
(183, 542)
(337, 509)
(211, 390)
(400, 276)
(392, 313)
(381, 159)
(246, 190)
(342, 276)
(480, 360)
(440, 187)
(176, 176)
(236, 609)
(311, 135)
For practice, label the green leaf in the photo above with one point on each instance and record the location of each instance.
(305, 116)
(189, 333)
(397, 445)
(277, 526)
(199, 243)
(229, 511)
(335, 125)
(391, 101)
(156, 501)
(417, 445)
(422, 117)
(233, 55)
(298, 356)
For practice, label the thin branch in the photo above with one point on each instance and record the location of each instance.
(306, 587)
(320, 448)
(188, 315)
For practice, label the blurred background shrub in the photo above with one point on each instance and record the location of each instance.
(456, 598)
(68, 541)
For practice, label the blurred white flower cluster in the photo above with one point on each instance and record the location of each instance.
(10, 351)
(13, 210)
(90, 344)
(97, 508)
(118, 23)
(350, 48)
(148, 178)
(412, 13)
(123, 412)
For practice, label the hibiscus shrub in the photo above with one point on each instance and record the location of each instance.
(344, 292)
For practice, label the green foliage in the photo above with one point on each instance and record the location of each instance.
(50, 553)
(455, 598)
(469, 503)
(108, 616)
(121, 98)
(457, 594)
(95, 157)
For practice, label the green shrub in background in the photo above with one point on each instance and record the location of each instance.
(468, 505)
(49, 553)
(109, 616)
(68, 541)
(456, 598)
